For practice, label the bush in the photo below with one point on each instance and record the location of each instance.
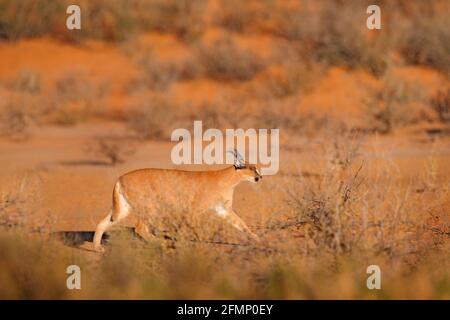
(397, 103)
(152, 119)
(115, 20)
(225, 60)
(30, 18)
(14, 121)
(114, 149)
(427, 41)
(74, 99)
(158, 74)
(26, 81)
(441, 104)
(109, 20)
(331, 33)
(290, 78)
(184, 18)
(238, 16)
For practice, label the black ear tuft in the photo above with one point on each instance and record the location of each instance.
(239, 162)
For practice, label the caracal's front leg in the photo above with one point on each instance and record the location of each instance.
(142, 230)
(227, 213)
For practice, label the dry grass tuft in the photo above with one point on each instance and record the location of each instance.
(114, 149)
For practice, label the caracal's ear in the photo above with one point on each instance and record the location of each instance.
(239, 162)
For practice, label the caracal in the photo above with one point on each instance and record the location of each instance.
(200, 190)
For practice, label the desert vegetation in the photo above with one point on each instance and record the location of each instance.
(275, 58)
(319, 230)
(364, 121)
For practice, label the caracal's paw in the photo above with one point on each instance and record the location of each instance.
(99, 249)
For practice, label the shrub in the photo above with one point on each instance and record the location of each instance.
(225, 60)
(29, 18)
(152, 119)
(398, 103)
(331, 33)
(185, 18)
(158, 74)
(102, 19)
(114, 149)
(238, 16)
(340, 212)
(325, 209)
(26, 81)
(20, 201)
(427, 41)
(290, 78)
(14, 120)
(441, 104)
(74, 98)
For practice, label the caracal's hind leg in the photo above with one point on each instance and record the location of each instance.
(120, 209)
(105, 224)
(142, 230)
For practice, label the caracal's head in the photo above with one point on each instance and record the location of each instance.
(247, 172)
